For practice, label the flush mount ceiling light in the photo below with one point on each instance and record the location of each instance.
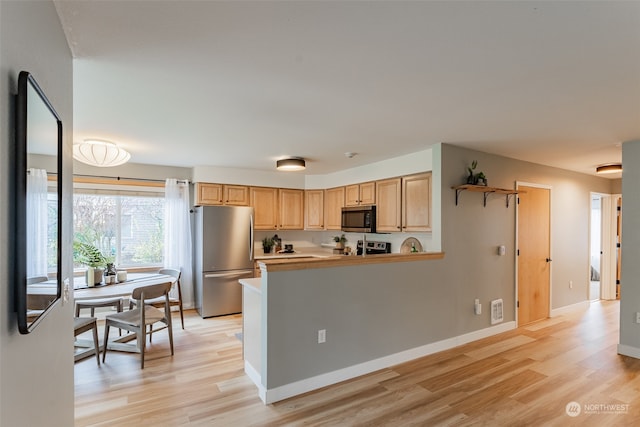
(99, 153)
(290, 164)
(609, 168)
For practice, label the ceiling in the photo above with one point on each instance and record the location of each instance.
(242, 84)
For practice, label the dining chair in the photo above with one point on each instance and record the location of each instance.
(84, 324)
(159, 302)
(143, 315)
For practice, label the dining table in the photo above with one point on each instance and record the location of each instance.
(124, 289)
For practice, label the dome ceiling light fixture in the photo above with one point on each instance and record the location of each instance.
(291, 164)
(99, 153)
(609, 168)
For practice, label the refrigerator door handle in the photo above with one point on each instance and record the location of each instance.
(235, 273)
(251, 237)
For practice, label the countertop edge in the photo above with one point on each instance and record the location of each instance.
(270, 265)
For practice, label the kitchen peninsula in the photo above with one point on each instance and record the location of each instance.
(313, 321)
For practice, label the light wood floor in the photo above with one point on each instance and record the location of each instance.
(524, 377)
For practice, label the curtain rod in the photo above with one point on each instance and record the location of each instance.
(120, 178)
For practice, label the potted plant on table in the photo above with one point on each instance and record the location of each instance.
(89, 255)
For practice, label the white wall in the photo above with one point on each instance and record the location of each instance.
(36, 370)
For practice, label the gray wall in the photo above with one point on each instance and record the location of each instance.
(377, 310)
(629, 288)
(36, 370)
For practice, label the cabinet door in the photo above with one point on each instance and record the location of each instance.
(333, 204)
(208, 194)
(265, 206)
(368, 193)
(352, 195)
(236, 195)
(291, 209)
(388, 212)
(314, 209)
(416, 195)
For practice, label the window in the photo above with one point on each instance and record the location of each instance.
(128, 228)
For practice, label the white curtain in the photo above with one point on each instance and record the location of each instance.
(177, 236)
(37, 222)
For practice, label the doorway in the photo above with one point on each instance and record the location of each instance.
(595, 251)
(533, 253)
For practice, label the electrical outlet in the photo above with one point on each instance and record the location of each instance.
(322, 335)
(638, 317)
(570, 284)
(478, 307)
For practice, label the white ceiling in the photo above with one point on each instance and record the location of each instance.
(241, 84)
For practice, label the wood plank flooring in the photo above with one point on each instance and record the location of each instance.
(525, 377)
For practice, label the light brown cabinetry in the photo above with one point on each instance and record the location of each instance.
(277, 209)
(404, 204)
(265, 207)
(235, 195)
(333, 204)
(221, 194)
(314, 209)
(388, 214)
(291, 209)
(360, 194)
(208, 194)
(416, 202)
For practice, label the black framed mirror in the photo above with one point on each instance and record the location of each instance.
(38, 194)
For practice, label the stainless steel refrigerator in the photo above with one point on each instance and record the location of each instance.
(223, 254)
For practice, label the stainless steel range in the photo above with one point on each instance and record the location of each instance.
(373, 247)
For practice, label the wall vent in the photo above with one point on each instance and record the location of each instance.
(496, 311)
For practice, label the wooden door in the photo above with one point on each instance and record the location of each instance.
(236, 195)
(208, 194)
(333, 204)
(352, 195)
(291, 209)
(265, 206)
(314, 209)
(534, 259)
(416, 202)
(389, 205)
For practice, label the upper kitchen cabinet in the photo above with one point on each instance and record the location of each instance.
(265, 206)
(360, 194)
(291, 209)
(333, 204)
(208, 194)
(388, 213)
(236, 195)
(221, 194)
(404, 204)
(314, 209)
(416, 202)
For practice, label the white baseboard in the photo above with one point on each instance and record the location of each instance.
(627, 350)
(582, 305)
(319, 381)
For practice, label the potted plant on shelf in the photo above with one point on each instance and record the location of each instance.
(267, 244)
(89, 255)
(475, 178)
(340, 241)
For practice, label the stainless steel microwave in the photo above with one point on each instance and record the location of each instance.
(359, 219)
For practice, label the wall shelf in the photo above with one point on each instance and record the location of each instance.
(485, 190)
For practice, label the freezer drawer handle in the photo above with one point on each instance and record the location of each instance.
(227, 274)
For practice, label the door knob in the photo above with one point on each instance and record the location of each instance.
(548, 259)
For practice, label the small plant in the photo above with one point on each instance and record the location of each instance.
(87, 254)
(267, 244)
(475, 178)
(340, 241)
